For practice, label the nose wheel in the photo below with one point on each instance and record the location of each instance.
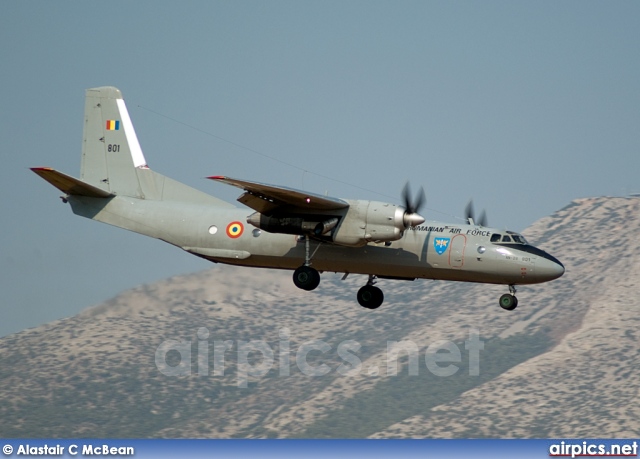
(370, 296)
(509, 301)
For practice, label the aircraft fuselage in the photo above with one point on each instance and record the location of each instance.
(433, 250)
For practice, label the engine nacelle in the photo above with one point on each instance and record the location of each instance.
(361, 222)
(370, 221)
(385, 222)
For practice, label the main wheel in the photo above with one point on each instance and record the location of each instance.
(306, 278)
(370, 297)
(508, 302)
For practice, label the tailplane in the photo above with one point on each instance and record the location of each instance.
(70, 185)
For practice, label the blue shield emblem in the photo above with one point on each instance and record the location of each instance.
(441, 244)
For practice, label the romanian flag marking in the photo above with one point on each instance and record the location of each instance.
(235, 229)
(113, 125)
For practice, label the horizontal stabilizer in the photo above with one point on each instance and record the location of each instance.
(70, 185)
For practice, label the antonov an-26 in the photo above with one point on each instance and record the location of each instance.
(286, 228)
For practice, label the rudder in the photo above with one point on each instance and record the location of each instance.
(111, 152)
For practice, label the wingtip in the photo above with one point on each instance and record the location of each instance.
(216, 177)
(34, 169)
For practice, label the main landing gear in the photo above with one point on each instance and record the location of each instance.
(370, 296)
(307, 278)
(509, 301)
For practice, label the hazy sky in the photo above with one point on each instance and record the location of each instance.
(523, 106)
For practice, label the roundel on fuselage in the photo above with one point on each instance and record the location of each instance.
(235, 229)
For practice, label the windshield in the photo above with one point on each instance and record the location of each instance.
(511, 237)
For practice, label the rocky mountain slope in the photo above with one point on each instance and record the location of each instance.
(588, 384)
(233, 352)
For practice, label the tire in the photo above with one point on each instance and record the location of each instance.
(370, 297)
(306, 278)
(508, 302)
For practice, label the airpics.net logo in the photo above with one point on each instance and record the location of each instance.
(593, 449)
(256, 359)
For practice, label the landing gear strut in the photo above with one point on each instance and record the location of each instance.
(305, 277)
(370, 296)
(509, 301)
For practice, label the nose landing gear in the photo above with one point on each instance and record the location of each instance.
(509, 301)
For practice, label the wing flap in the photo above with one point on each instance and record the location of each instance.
(267, 199)
(70, 185)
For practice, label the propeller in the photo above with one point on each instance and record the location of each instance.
(469, 214)
(411, 216)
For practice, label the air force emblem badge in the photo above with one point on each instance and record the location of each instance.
(441, 244)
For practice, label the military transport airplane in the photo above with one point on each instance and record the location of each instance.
(286, 228)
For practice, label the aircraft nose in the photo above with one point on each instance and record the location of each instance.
(549, 269)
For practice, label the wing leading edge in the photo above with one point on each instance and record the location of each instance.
(270, 199)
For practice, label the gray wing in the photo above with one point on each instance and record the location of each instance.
(271, 199)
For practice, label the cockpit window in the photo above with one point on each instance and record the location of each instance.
(511, 237)
(519, 239)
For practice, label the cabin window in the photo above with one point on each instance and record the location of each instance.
(506, 238)
(495, 237)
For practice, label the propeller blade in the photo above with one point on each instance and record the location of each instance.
(470, 214)
(468, 211)
(483, 219)
(421, 198)
(406, 198)
(411, 217)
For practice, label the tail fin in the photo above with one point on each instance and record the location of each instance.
(112, 159)
(111, 152)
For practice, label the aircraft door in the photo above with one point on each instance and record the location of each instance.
(456, 252)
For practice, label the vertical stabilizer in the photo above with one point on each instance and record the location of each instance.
(112, 159)
(111, 153)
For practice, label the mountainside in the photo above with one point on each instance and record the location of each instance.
(565, 363)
